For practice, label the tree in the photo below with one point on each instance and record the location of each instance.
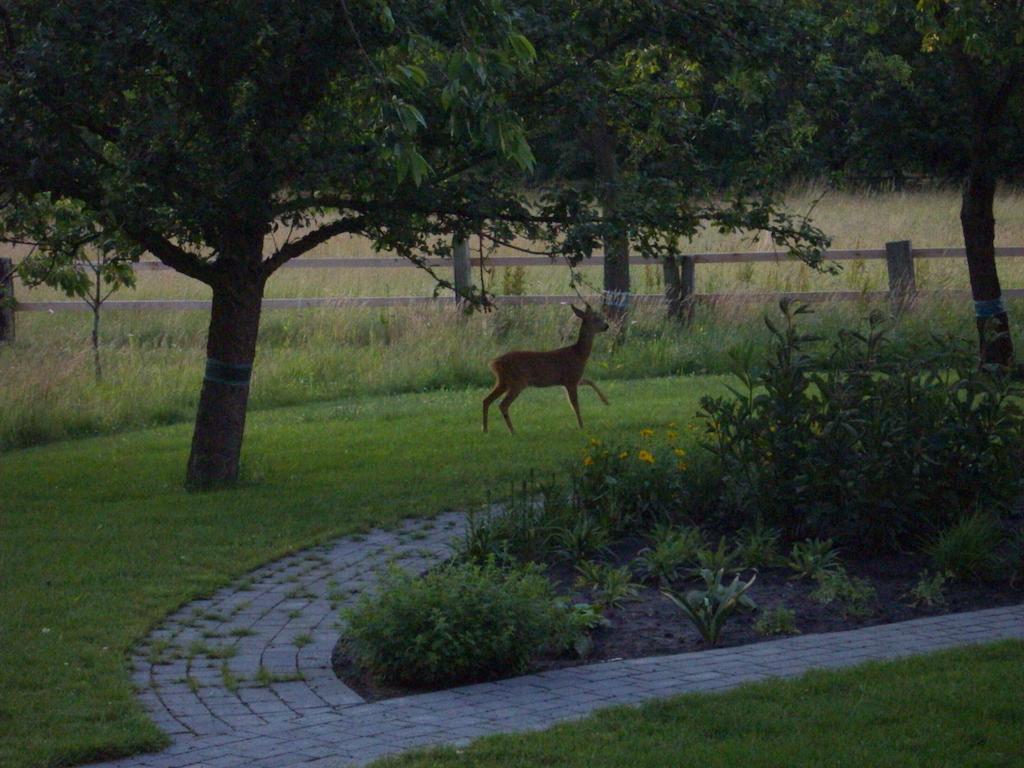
(228, 137)
(199, 131)
(70, 252)
(657, 119)
(947, 100)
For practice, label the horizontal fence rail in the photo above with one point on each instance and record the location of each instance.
(352, 302)
(737, 257)
(900, 257)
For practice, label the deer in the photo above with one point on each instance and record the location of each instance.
(515, 371)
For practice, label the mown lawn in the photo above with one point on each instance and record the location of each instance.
(952, 710)
(99, 541)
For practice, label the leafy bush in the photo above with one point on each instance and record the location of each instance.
(520, 531)
(631, 489)
(722, 558)
(865, 447)
(757, 546)
(967, 549)
(456, 624)
(673, 549)
(855, 596)
(929, 590)
(711, 607)
(610, 587)
(810, 558)
(584, 537)
(778, 620)
(583, 619)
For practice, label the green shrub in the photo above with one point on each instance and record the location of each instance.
(722, 558)
(583, 619)
(712, 606)
(778, 620)
(855, 596)
(632, 489)
(858, 443)
(757, 546)
(586, 536)
(967, 549)
(810, 558)
(520, 531)
(672, 549)
(929, 590)
(610, 587)
(457, 624)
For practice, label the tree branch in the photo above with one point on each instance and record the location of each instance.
(307, 242)
(174, 256)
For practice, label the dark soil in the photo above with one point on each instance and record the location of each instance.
(650, 625)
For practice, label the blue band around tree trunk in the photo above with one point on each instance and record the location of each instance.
(990, 308)
(231, 374)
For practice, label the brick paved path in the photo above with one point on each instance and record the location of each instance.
(244, 678)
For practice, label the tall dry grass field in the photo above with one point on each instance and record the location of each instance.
(153, 360)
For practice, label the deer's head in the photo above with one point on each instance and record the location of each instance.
(593, 321)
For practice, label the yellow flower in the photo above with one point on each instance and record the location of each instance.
(681, 465)
(595, 442)
(672, 425)
(679, 452)
(646, 433)
(672, 434)
(645, 456)
(587, 461)
(624, 455)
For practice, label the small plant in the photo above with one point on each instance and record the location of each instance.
(967, 549)
(778, 620)
(711, 607)
(301, 641)
(810, 558)
(757, 546)
(854, 595)
(586, 537)
(721, 558)
(930, 590)
(459, 623)
(610, 587)
(672, 549)
(583, 618)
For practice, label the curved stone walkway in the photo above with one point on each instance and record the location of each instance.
(244, 678)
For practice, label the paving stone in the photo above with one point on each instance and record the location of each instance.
(317, 721)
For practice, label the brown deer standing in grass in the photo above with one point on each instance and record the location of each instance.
(515, 371)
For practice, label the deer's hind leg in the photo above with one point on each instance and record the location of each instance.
(512, 394)
(574, 401)
(593, 386)
(499, 388)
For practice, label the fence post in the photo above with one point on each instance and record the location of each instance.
(6, 300)
(899, 259)
(463, 268)
(687, 288)
(673, 293)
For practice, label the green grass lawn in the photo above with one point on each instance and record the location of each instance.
(100, 542)
(957, 709)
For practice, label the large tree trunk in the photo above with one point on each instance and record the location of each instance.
(616, 244)
(230, 350)
(976, 217)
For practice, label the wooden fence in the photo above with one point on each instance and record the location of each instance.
(680, 292)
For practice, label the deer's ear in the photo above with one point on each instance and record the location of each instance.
(577, 311)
